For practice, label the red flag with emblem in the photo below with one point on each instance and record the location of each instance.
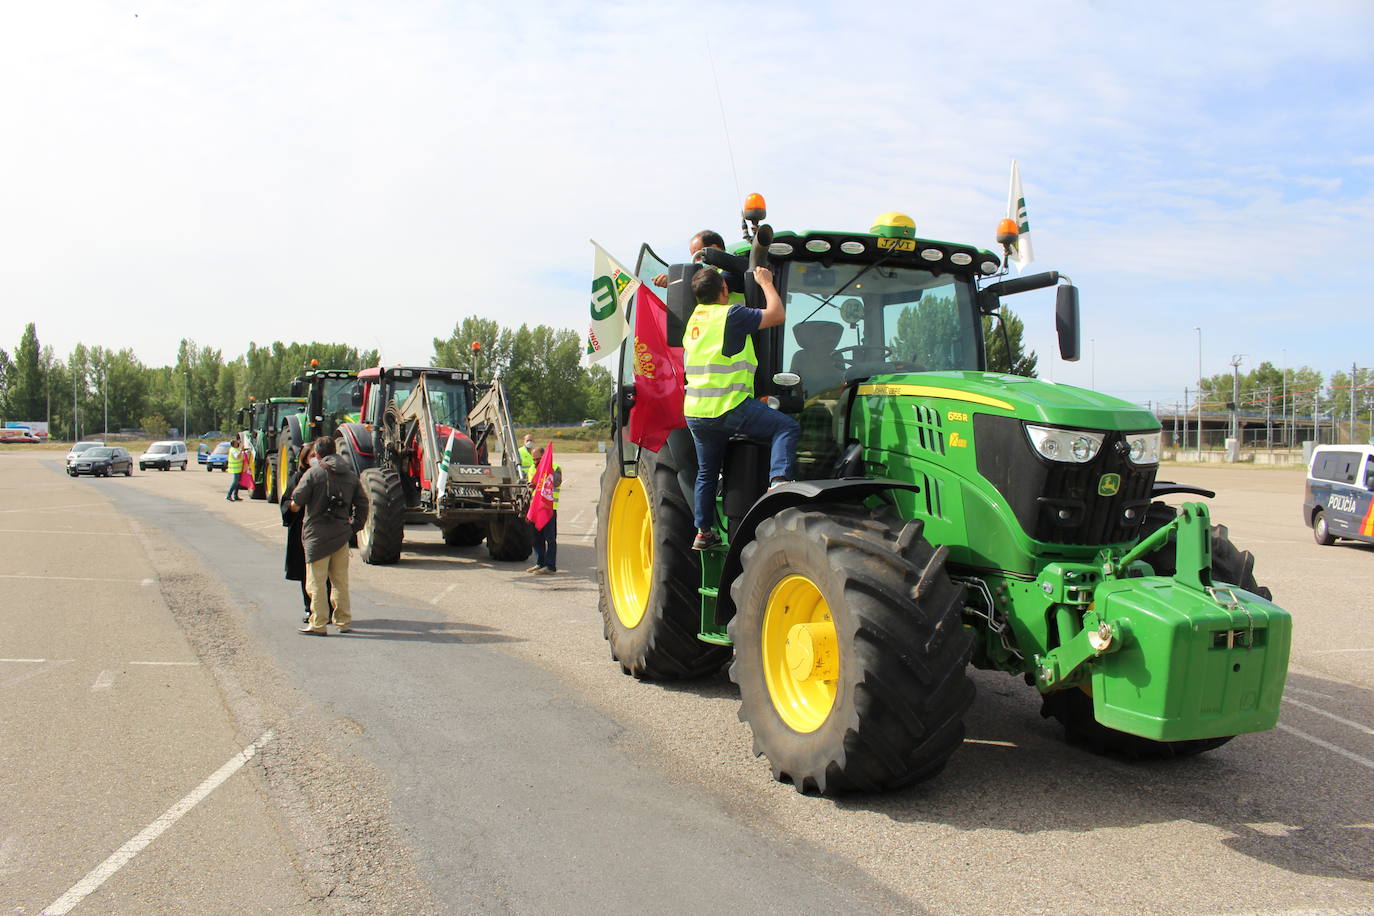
(658, 375)
(541, 506)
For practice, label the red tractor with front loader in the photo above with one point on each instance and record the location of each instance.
(422, 452)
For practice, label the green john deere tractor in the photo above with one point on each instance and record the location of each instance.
(262, 421)
(944, 515)
(331, 398)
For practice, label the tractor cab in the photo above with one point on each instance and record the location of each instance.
(450, 393)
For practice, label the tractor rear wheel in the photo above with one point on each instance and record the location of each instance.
(380, 539)
(648, 575)
(510, 538)
(1074, 707)
(849, 654)
(464, 534)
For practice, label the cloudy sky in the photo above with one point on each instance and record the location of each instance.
(373, 172)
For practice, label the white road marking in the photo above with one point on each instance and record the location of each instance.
(1310, 693)
(42, 669)
(55, 508)
(165, 663)
(103, 534)
(1333, 748)
(440, 597)
(103, 681)
(9, 855)
(34, 660)
(1330, 715)
(989, 743)
(101, 873)
(78, 579)
(1335, 651)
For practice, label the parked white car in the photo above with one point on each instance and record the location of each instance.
(164, 456)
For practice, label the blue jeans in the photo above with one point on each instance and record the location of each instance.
(711, 435)
(546, 544)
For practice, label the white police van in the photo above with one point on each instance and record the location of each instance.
(1339, 498)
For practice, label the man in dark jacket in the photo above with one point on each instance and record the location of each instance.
(335, 506)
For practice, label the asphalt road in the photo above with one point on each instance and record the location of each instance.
(472, 747)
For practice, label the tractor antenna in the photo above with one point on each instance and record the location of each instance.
(725, 125)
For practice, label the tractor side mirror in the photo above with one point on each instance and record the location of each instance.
(355, 395)
(297, 387)
(1066, 322)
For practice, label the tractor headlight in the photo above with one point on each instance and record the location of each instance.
(1071, 445)
(1144, 447)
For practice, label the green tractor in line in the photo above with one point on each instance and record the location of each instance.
(945, 516)
(330, 398)
(261, 422)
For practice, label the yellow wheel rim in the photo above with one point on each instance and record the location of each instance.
(630, 551)
(283, 467)
(801, 657)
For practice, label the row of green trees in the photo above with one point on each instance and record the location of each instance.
(1303, 392)
(203, 390)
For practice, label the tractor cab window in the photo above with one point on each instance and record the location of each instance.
(853, 321)
(448, 400)
(338, 398)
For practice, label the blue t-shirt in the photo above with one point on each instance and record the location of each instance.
(740, 322)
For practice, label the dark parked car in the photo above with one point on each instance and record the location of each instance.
(102, 461)
(219, 458)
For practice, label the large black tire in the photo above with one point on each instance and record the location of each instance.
(379, 541)
(259, 478)
(510, 538)
(270, 480)
(1073, 708)
(648, 574)
(465, 534)
(893, 711)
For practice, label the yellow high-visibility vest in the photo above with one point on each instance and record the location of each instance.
(716, 383)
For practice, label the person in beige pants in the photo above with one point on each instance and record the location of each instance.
(335, 506)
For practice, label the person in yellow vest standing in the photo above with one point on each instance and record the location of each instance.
(546, 538)
(527, 459)
(234, 469)
(719, 363)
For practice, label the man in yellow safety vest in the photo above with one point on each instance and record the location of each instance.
(234, 468)
(719, 363)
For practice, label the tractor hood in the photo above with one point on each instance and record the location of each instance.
(1035, 400)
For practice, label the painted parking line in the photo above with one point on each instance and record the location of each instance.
(121, 856)
(78, 579)
(56, 508)
(1330, 715)
(1333, 748)
(102, 534)
(165, 663)
(41, 669)
(37, 661)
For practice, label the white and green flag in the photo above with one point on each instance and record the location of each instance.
(1016, 209)
(442, 483)
(613, 288)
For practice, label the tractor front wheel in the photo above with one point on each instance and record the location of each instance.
(510, 538)
(849, 654)
(380, 539)
(270, 479)
(286, 461)
(648, 574)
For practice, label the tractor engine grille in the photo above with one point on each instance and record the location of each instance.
(1059, 502)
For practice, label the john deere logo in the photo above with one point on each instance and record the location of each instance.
(1109, 484)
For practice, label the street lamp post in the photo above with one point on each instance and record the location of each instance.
(1199, 394)
(105, 387)
(185, 402)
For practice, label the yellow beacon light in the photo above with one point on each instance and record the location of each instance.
(1007, 233)
(754, 208)
(894, 225)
